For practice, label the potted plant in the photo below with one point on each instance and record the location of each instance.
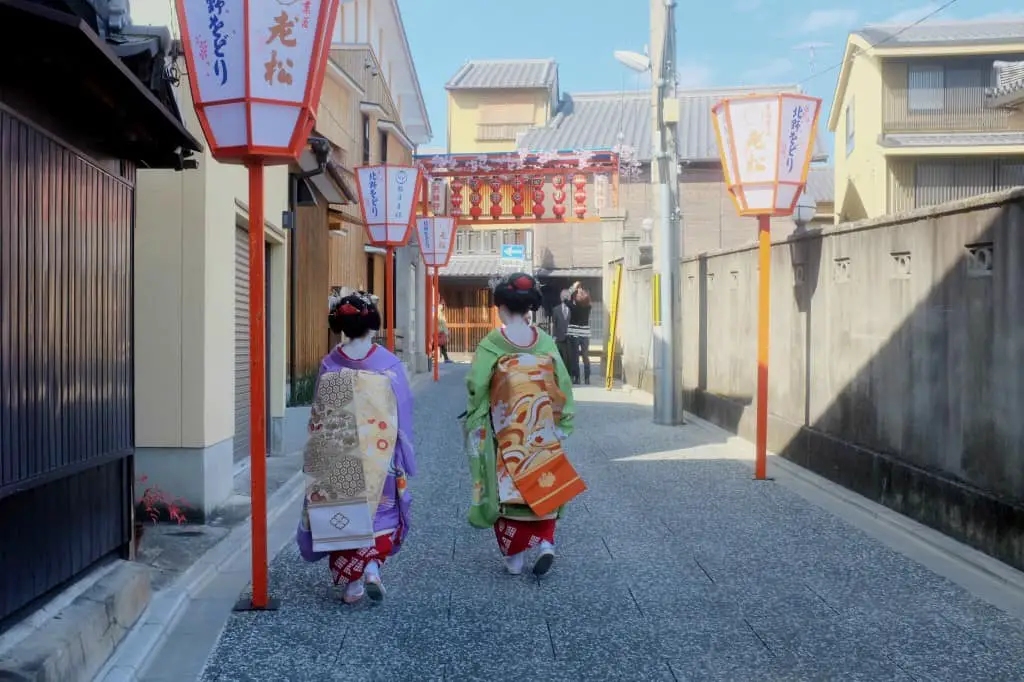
(153, 502)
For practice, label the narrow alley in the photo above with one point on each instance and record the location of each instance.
(675, 565)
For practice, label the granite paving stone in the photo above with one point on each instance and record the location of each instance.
(674, 565)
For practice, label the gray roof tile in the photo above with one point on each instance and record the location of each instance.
(505, 73)
(821, 184)
(462, 265)
(604, 120)
(945, 33)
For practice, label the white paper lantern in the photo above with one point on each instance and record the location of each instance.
(766, 144)
(436, 239)
(256, 71)
(387, 197)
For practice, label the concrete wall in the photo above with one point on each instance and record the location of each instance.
(895, 359)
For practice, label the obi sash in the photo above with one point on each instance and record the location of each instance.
(353, 431)
(526, 405)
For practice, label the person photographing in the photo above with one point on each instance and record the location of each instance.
(579, 332)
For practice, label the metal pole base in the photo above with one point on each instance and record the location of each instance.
(247, 605)
(766, 478)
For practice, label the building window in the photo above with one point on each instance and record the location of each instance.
(366, 140)
(383, 141)
(849, 128)
(926, 87)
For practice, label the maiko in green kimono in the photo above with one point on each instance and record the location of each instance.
(520, 409)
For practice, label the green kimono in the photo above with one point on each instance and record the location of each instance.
(480, 442)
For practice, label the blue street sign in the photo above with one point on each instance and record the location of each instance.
(513, 252)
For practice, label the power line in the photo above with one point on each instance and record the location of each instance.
(891, 36)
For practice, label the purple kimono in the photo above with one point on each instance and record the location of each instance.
(393, 512)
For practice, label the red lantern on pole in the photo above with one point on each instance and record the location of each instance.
(474, 199)
(256, 71)
(437, 242)
(538, 196)
(558, 195)
(456, 197)
(387, 197)
(517, 198)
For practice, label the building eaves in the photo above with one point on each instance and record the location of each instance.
(895, 140)
(485, 74)
(945, 34)
(466, 265)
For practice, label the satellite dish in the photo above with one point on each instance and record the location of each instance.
(634, 60)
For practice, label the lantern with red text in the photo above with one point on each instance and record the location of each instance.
(538, 195)
(558, 195)
(256, 71)
(766, 144)
(456, 197)
(496, 209)
(579, 181)
(474, 198)
(387, 195)
(436, 239)
(517, 198)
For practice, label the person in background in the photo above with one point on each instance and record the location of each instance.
(359, 453)
(442, 332)
(519, 411)
(560, 332)
(579, 332)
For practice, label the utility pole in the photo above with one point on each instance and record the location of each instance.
(668, 396)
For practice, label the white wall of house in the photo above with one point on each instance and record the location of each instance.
(185, 312)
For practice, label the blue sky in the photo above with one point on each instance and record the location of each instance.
(721, 42)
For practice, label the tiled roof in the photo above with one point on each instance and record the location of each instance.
(504, 73)
(821, 184)
(462, 265)
(604, 120)
(945, 33)
(1009, 90)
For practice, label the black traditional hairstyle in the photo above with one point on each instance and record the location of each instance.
(518, 292)
(354, 315)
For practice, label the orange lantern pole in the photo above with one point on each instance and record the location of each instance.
(766, 144)
(387, 197)
(256, 73)
(437, 241)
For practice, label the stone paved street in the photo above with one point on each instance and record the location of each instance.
(675, 565)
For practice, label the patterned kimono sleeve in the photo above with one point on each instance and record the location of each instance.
(314, 411)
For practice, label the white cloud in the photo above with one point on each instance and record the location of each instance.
(823, 19)
(912, 15)
(1006, 14)
(770, 71)
(694, 75)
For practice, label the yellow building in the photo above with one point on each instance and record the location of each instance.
(914, 121)
(492, 103)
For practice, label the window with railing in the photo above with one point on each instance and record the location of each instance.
(941, 96)
(470, 241)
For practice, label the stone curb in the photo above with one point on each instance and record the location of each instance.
(167, 606)
(130, 659)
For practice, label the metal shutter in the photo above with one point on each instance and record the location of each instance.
(241, 344)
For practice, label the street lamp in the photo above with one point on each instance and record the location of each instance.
(806, 209)
(765, 142)
(256, 71)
